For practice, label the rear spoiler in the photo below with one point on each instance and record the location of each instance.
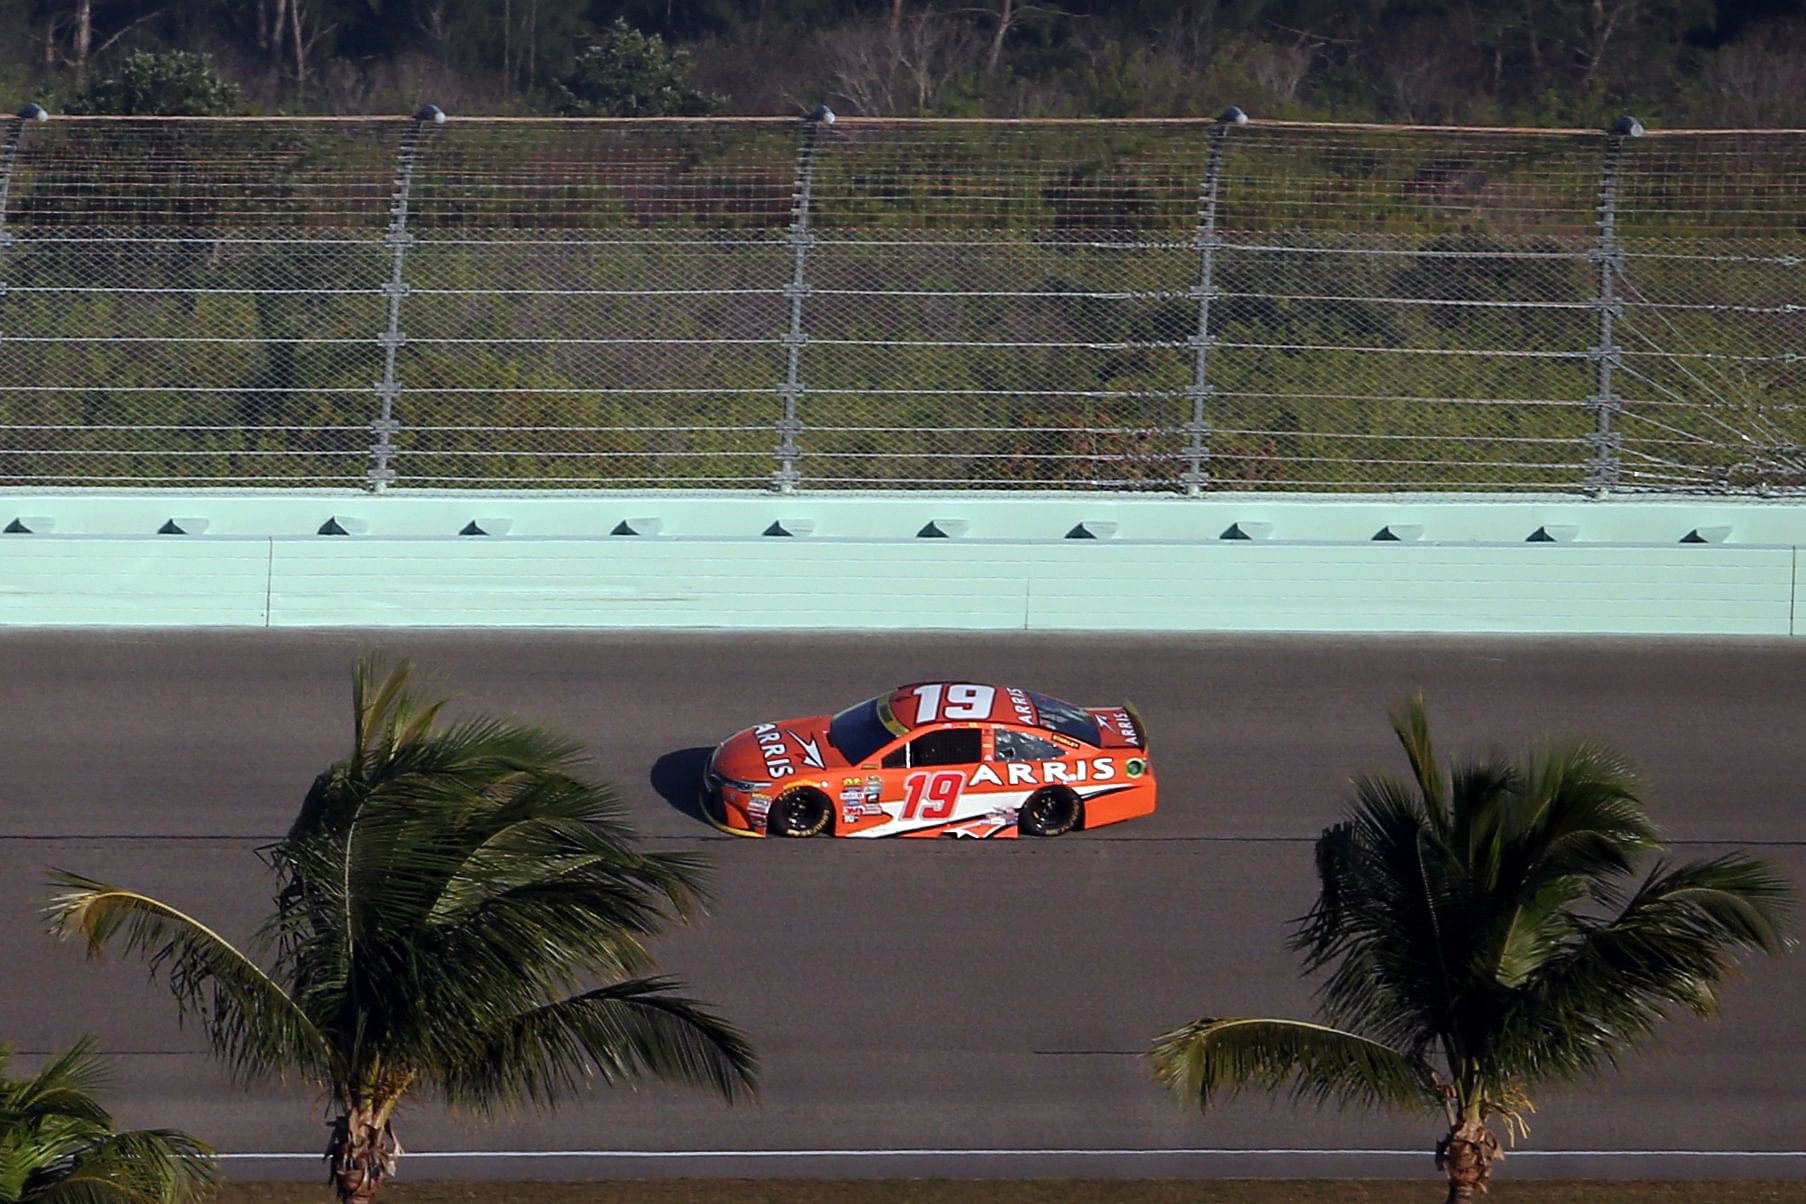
(1141, 725)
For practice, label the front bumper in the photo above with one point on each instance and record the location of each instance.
(730, 816)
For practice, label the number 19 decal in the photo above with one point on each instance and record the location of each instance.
(960, 702)
(931, 795)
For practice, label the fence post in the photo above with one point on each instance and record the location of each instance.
(9, 155)
(398, 240)
(801, 200)
(1206, 240)
(1603, 465)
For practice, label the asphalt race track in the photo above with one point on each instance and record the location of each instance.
(923, 1008)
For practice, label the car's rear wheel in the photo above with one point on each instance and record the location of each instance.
(1051, 812)
(800, 813)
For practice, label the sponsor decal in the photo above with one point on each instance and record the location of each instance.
(758, 806)
(776, 753)
(1025, 710)
(779, 760)
(1064, 741)
(1042, 773)
(1126, 726)
(852, 781)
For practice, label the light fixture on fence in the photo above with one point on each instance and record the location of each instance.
(432, 113)
(823, 114)
(34, 112)
(1232, 116)
(1626, 127)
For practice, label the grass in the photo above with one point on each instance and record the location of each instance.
(1044, 1191)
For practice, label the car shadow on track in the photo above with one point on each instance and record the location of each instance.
(677, 777)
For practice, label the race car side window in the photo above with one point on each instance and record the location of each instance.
(957, 746)
(1024, 746)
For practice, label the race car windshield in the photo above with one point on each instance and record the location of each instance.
(858, 731)
(1066, 719)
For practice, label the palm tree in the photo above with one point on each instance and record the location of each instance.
(446, 894)
(1487, 935)
(57, 1144)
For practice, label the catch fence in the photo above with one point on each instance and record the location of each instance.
(1179, 306)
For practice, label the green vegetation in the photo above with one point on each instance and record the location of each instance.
(446, 893)
(1731, 63)
(627, 73)
(1487, 935)
(171, 83)
(58, 1144)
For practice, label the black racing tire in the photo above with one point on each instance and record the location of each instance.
(1054, 811)
(802, 812)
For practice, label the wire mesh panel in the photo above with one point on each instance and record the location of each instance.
(1401, 309)
(191, 301)
(1001, 304)
(1171, 306)
(1709, 289)
(595, 302)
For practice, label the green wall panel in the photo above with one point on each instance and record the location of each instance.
(150, 581)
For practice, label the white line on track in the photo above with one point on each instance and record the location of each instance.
(1105, 1153)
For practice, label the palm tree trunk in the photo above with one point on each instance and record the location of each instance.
(361, 1155)
(1466, 1156)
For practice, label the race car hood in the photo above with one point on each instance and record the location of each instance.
(1120, 727)
(767, 752)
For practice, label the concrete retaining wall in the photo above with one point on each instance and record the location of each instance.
(862, 563)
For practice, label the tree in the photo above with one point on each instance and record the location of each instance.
(1484, 945)
(172, 83)
(631, 74)
(58, 1146)
(443, 895)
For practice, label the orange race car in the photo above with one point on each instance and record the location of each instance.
(934, 759)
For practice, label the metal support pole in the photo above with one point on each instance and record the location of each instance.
(9, 155)
(1604, 465)
(398, 240)
(801, 240)
(1206, 240)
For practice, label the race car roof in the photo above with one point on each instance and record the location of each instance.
(922, 703)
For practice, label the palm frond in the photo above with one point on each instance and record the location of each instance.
(618, 1034)
(1679, 937)
(64, 1087)
(252, 1023)
(145, 1166)
(1412, 725)
(1214, 1059)
(1582, 813)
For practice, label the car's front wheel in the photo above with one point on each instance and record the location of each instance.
(802, 812)
(1051, 812)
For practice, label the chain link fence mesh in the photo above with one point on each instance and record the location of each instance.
(1177, 306)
